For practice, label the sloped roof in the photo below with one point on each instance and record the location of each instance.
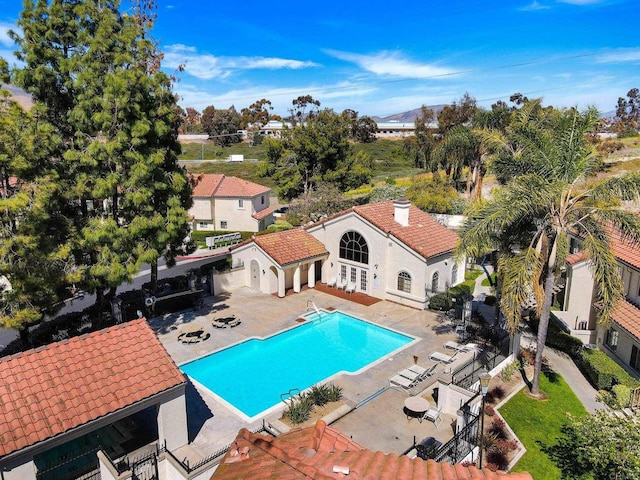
(576, 258)
(627, 315)
(52, 389)
(205, 184)
(624, 249)
(237, 187)
(313, 452)
(263, 213)
(424, 234)
(290, 246)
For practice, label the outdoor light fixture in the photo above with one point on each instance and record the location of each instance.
(485, 378)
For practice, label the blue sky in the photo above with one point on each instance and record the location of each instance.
(381, 57)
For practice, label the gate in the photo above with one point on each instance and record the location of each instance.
(145, 468)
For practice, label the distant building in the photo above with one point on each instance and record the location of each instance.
(229, 203)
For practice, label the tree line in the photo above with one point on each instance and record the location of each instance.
(91, 187)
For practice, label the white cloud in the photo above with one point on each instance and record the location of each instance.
(534, 6)
(582, 2)
(206, 66)
(4, 34)
(392, 63)
(620, 55)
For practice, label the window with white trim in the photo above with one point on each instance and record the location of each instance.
(223, 225)
(354, 247)
(240, 203)
(435, 282)
(611, 339)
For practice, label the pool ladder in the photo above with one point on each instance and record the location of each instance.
(288, 396)
(313, 305)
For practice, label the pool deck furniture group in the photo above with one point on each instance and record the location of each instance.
(225, 322)
(416, 407)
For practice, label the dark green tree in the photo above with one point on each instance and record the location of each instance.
(628, 114)
(95, 72)
(420, 147)
(298, 113)
(221, 125)
(361, 129)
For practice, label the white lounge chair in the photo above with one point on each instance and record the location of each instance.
(441, 357)
(433, 415)
(350, 288)
(453, 345)
(342, 283)
(423, 372)
(332, 282)
(410, 375)
(401, 383)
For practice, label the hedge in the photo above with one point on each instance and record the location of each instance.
(602, 370)
(441, 301)
(201, 235)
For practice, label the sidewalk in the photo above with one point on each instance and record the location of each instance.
(559, 361)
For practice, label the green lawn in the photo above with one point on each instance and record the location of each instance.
(538, 423)
(485, 281)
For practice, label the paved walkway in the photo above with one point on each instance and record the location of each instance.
(561, 363)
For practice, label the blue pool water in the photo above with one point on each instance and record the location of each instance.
(252, 375)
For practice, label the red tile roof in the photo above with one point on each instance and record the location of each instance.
(624, 249)
(237, 187)
(263, 213)
(424, 234)
(50, 390)
(290, 246)
(627, 315)
(205, 184)
(577, 257)
(315, 452)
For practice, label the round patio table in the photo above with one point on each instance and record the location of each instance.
(416, 407)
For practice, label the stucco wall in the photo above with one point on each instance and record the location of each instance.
(201, 209)
(227, 209)
(631, 279)
(579, 297)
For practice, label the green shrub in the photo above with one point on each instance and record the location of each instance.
(458, 291)
(319, 395)
(618, 398)
(508, 371)
(335, 393)
(299, 409)
(440, 301)
(603, 371)
(490, 300)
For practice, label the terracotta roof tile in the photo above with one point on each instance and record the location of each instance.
(627, 315)
(624, 249)
(50, 390)
(576, 257)
(205, 183)
(424, 234)
(290, 246)
(263, 213)
(237, 187)
(312, 453)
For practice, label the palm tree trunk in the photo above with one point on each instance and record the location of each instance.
(543, 328)
(154, 277)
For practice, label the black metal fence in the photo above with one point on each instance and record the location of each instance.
(462, 443)
(469, 373)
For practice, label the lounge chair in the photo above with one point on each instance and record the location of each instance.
(235, 323)
(423, 372)
(350, 288)
(332, 282)
(218, 324)
(454, 346)
(433, 415)
(441, 357)
(410, 375)
(401, 383)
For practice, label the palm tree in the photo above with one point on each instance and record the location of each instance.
(552, 191)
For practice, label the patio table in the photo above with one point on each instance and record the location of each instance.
(416, 407)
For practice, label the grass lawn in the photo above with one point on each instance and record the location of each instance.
(539, 422)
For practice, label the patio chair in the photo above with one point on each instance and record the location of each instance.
(423, 372)
(342, 284)
(350, 288)
(441, 357)
(398, 382)
(332, 282)
(433, 415)
(235, 323)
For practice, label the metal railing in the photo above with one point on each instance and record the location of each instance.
(468, 374)
(462, 443)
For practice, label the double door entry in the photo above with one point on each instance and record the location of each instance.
(355, 277)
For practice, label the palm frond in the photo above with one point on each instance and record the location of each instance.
(625, 187)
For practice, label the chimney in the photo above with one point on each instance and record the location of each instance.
(401, 211)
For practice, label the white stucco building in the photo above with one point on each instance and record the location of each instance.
(389, 250)
(229, 203)
(621, 338)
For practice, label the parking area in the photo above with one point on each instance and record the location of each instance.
(379, 423)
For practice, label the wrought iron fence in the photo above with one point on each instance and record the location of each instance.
(462, 443)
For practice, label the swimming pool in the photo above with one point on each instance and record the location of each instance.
(251, 376)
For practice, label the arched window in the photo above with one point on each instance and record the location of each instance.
(404, 282)
(435, 282)
(454, 275)
(354, 247)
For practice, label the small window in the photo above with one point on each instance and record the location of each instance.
(223, 225)
(404, 282)
(262, 199)
(454, 275)
(203, 225)
(240, 203)
(635, 358)
(435, 282)
(611, 339)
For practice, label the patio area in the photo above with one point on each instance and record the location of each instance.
(379, 423)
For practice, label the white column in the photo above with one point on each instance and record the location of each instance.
(26, 471)
(311, 277)
(296, 279)
(281, 287)
(172, 422)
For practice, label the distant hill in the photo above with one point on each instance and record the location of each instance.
(19, 95)
(407, 117)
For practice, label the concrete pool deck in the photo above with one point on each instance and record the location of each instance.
(379, 424)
